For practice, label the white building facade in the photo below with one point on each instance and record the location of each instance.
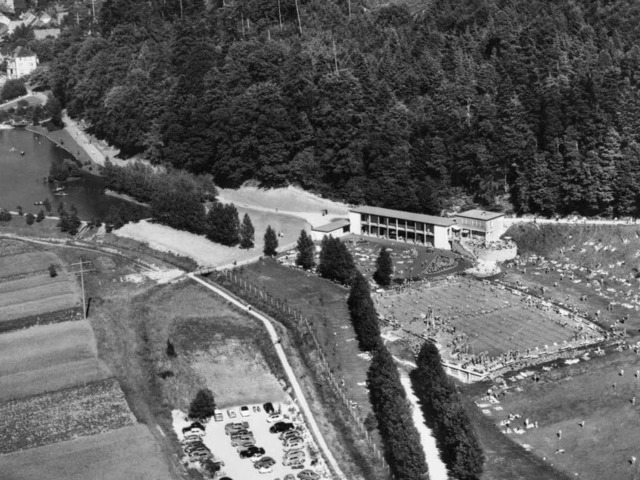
(23, 63)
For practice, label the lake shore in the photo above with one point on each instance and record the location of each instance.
(126, 197)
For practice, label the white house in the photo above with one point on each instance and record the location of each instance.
(481, 224)
(24, 62)
(338, 228)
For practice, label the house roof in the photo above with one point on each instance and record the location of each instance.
(333, 226)
(479, 215)
(415, 217)
(46, 32)
(23, 52)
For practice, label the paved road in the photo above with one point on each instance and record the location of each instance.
(288, 370)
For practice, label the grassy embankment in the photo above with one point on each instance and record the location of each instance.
(324, 304)
(602, 260)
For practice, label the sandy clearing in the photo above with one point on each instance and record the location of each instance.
(52, 378)
(209, 254)
(46, 345)
(290, 200)
(126, 453)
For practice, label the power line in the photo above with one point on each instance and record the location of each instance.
(82, 272)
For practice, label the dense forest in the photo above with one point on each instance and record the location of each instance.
(398, 106)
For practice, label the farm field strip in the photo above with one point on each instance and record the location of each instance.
(63, 415)
(52, 378)
(43, 306)
(126, 453)
(36, 293)
(32, 282)
(26, 263)
(46, 345)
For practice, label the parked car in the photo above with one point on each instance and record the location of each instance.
(308, 475)
(294, 457)
(194, 446)
(240, 433)
(243, 441)
(265, 470)
(275, 417)
(217, 416)
(289, 434)
(200, 454)
(264, 462)
(230, 428)
(268, 408)
(289, 476)
(231, 413)
(281, 427)
(293, 442)
(244, 411)
(251, 452)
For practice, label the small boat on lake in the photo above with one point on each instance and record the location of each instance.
(58, 188)
(38, 203)
(61, 194)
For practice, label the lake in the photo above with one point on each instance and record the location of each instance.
(23, 177)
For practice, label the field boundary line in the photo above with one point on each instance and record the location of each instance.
(287, 368)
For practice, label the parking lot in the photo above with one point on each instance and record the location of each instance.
(258, 424)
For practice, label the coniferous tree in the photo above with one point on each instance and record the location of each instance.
(336, 263)
(203, 405)
(363, 313)
(47, 205)
(40, 216)
(306, 251)
(63, 223)
(223, 224)
(384, 268)
(247, 233)
(402, 445)
(270, 242)
(73, 222)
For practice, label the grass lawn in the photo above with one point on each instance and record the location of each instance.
(31, 100)
(128, 452)
(46, 229)
(601, 259)
(504, 459)
(324, 304)
(585, 392)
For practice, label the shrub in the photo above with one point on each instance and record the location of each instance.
(40, 216)
(52, 271)
(30, 218)
(5, 216)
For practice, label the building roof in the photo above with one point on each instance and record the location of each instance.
(23, 52)
(46, 32)
(333, 226)
(415, 217)
(479, 214)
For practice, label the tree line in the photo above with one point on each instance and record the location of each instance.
(411, 109)
(177, 199)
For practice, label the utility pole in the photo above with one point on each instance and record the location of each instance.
(93, 4)
(335, 55)
(82, 272)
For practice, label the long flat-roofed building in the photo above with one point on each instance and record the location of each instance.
(413, 228)
(337, 228)
(480, 223)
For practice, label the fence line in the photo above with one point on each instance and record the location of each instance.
(298, 317)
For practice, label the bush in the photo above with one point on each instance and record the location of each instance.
(5, 216)
(40, 216)
(30, 218)
(12, 89)
(52, 271)
(204, 405)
